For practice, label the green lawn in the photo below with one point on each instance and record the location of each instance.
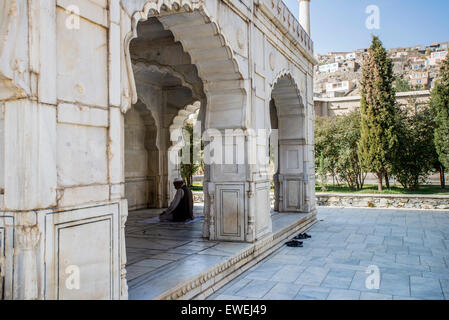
(425, 189)
(370, 188)
(197, 186)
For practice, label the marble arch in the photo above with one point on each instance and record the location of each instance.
(291, 142)
(209, 51)
(65, 94)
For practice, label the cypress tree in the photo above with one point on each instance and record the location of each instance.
(379, 139)
(440, 106)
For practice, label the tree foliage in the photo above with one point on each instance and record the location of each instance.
(191, 167)
(326, 150)
(401, 85)
(378, 145)
(383, 139)
(440, 106)
(336, 148)
(417, 153)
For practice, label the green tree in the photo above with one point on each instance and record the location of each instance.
(336, 150)
(348, 164)
(322, 171)
(402, 85)
(415, 160)
(379, 139)
(440, 106)
(437, 165)
(326, 149)
(190, 168)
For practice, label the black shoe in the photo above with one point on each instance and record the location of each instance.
(307, 236)
(300, 236)
(294, 243)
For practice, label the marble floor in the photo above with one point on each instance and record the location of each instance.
(409, 248)
(162, 255)
(154, 250)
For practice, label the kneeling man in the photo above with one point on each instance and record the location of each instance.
(181, 208)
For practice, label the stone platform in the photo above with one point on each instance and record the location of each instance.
(173, 261)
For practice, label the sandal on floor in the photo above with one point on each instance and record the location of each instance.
(294, 243)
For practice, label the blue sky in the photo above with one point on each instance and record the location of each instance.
(339, 25)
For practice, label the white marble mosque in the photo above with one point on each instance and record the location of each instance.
(91, 93)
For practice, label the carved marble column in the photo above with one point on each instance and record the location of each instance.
(251, 229)
(211, 214)
(26, 270)
(123, 281)
(277, 187)
(207, 203)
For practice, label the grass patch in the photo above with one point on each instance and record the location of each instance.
(197, 186)
(370, 188)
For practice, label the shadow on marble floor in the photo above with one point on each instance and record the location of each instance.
(160, 256)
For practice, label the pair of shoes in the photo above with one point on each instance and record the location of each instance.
(294, 243)
(302, 236)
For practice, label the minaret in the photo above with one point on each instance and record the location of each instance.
(304, 15)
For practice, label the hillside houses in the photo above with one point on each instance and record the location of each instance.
(339, 73)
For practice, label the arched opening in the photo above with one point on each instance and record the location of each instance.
(179, 63)
(166, 82)
(186, 119)
(287, 115)
(141, 158)
(169, 90)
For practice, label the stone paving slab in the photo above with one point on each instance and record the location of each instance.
(410, 248)
(312, 293)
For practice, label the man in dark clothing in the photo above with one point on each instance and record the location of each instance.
(181, 208)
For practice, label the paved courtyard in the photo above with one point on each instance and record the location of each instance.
(409, 248)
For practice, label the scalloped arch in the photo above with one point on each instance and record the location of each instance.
(282, 74)
(289, 103)
(183, 114)
(159, 9)
(154, 66)
(286, 74)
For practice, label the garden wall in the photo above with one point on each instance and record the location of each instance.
(383, 201)
(371, 200)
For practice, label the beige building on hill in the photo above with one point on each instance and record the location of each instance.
(332, 107)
